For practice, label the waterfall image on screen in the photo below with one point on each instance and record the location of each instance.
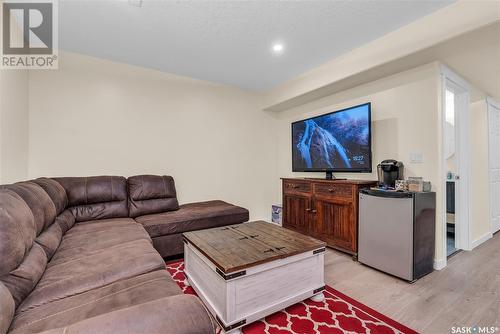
(336, 141)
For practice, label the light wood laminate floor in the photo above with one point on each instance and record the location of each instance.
(465, 293)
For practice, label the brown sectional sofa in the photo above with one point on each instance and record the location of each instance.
(76, 255)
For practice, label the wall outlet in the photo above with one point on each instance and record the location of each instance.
(416, 158)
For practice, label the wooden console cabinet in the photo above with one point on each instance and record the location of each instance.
(324, 209)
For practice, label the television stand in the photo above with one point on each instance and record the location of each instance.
(324, 209)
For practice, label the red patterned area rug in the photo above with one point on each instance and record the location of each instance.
(337, 314)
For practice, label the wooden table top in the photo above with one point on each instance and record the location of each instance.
(237, 247)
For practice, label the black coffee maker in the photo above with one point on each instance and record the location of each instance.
(388, 172)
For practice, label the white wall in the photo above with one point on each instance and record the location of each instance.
(13, 125)
(479, 181)
(404, 121)
(94, 117)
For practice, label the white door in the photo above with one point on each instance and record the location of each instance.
(494, 120)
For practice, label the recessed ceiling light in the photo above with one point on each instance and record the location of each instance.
(278, 48)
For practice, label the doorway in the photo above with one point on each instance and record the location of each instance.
(494, 163)
(455, 165)
(450, 153)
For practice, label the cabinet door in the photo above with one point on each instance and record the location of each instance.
(296, 211)
(335, 223)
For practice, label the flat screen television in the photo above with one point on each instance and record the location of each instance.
(339, 141)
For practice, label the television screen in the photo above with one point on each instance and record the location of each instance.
(337, 142)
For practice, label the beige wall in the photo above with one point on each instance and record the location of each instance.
(13, 125)
(404, 121)
(95, 117)
(479, 182)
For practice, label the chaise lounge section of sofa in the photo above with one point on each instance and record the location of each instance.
(74, 260)
(153, 203)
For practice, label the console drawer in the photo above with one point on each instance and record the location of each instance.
(294, 187)
(339, 190)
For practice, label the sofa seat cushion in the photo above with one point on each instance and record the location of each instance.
(109, 298)
(180, 314)
(93, 236)
(193, 216)
(96, 270)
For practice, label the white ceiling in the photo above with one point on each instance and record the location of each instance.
(229, 42)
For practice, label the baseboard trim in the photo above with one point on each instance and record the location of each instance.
(439, 264)
(481, 239)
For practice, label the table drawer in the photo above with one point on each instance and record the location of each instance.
(339, 190)
(294, 187)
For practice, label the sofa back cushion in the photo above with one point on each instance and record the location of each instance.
(50, 239)
(41, 205)
(96, 197)
(55, 191)
(17, 230)
(45, 198)
(22, 261)
(22, 280)
(7, 308)
(151, 194)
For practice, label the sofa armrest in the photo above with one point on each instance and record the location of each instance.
(180, 314)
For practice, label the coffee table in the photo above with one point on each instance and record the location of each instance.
(247, 271)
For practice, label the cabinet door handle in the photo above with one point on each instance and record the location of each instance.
(331, 190)
(308, 210)
(313, 211)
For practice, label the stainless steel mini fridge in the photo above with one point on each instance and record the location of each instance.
(397, 232)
